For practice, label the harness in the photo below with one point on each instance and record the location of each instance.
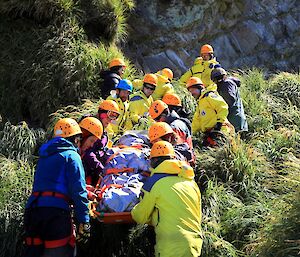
(37, 241)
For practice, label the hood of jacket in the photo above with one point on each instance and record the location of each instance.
(56, 145)
(181, 168)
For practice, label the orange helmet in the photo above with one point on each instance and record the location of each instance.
(150, 79)
(66, 127)
(109, 105)
(162, 148)
(156, 108)
(92, 125)
(171, 99)
(159, 129)
(116, 62)
(167, 73)
(194, 81)
(206, 49)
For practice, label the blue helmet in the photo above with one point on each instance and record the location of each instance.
(125, 84)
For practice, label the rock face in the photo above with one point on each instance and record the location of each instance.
(244, 33)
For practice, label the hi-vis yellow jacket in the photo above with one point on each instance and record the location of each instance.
(139, 105)
(163, 87)
(201, 69)
(211, 109)
(172, 204)
(121, 124)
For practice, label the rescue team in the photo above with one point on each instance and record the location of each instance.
(170, 198)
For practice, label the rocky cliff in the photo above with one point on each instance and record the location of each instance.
(244, 33)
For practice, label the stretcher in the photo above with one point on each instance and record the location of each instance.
(110, 218)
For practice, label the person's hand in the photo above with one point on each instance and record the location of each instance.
(217, 127)
(84, 233)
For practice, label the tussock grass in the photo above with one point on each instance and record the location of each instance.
(15, 186)
(19, 142)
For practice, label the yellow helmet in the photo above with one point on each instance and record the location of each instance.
(109, 105)
(150, 79)
(66, 127)
(206, 49)
(92, 125)
(162, 148)
(159, 129)
(194, 81)
(171, 99)
(156, 108)
(116, 62)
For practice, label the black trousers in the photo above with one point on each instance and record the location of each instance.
(48, 232)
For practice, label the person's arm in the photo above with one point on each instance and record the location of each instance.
(220, 106)
(185, 77)
(196, 123)
(228, 92)
(142, 212)
(77, 187)
(134, 111)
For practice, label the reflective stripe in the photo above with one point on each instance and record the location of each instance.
(53, 194)
(57, 243)
(33, 241)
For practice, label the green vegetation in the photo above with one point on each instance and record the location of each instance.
(51, 55)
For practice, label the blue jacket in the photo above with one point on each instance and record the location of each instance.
(228, 89)
(60, 170)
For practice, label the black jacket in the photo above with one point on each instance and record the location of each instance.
(110, 80)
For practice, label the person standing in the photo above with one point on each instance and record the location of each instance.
(171, 202)
(59, 182)
(202, 68)
(228, 88)
(112, 77)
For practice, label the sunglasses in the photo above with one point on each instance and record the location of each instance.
(150, 88)
(112, 115)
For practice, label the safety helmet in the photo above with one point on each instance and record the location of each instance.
(150, 79)
(109, 105)
(162, 148)
(171, 99)
(92, 125)
(66, 127)
(125, 84)
(206, 49)
(156, 108)
(194, 81)
(159, 129)
(167, 73)
(217, 73)
(116, 62)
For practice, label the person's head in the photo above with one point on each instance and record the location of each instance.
(207, 52)
(92, 130)
(218, 75)
(149, 84)
(117, 65)
(161, 131)
(69, 129)
(108, 111)
(195, 86)
(160, 152)
(124, 89)
(159, 111)
(173, 101)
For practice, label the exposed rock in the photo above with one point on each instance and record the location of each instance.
(243, 33)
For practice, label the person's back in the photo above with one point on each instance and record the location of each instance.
(110, 80)
(172, 204)
(228, 88)
(59, 170)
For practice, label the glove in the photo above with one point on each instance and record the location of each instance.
(218, 126)
(84, 233)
